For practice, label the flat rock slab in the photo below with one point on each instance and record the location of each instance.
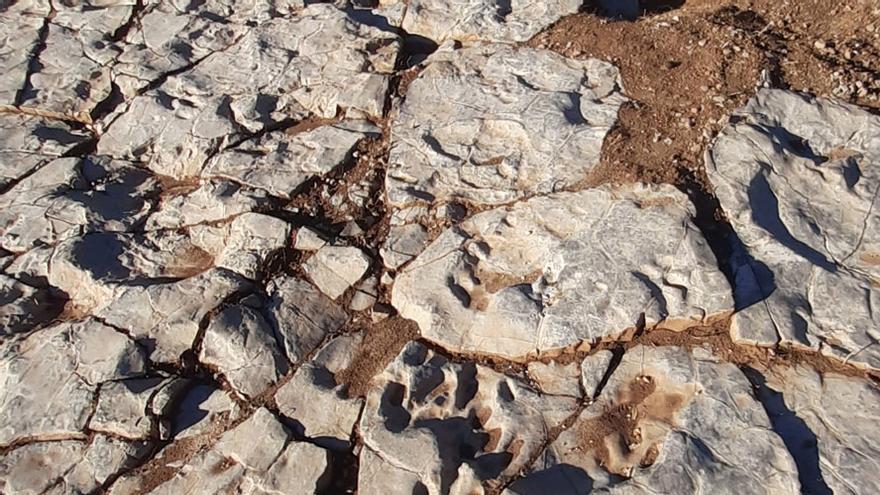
(29, 142)
(668, 421)
(799, 183)
(511, 122)
(432, 417)
(831, 421)
(552, 271)
(288, 68)
(489, 20)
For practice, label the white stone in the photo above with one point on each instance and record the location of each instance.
(552, 271)
(403, 244)
(212, 201)
(252, 238)
(489, 20)
(27, 143)
(308, 240)
(241, 344)
(593, 369)
(798, 181)
(336, 268)
(23, 307)
(301, 315)
(122, 408)
(70, 359)
(511, 122)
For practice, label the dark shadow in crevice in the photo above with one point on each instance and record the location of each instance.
(561, 479)
(631, 9)
(800, 441)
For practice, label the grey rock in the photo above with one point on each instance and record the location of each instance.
(556, 270)
(23, 307)
(403, 244)
(123, 406)
(69, 196)
(29, 142)
(795, 177)
(377, 476)
(442, 20)
(593, 369)
(20, 29)
(203, 407)
(308, 240)
(319, 405)
(366, 294)
(338, 354)
(687, 421)
(302, 316)
(166, 316)
(241, 344)
(279, 163)
(424, 410)
(252, 238)
(512, 122)
(71, 359)
(211, 201)
(336, 268)
(556, 379)
(840, 412)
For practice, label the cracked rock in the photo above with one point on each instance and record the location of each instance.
(68, 197)
(252, 238)
(241, 344)
(27, 143)
(302, 316)
(166, 316)
(210, 201)
(512, 122)
(23, 307)
(71, 359)
(336, 268)
(403, 244)
(20, 31)
(797, 180)
(432, 418)
(488, 20)
(122, 408)
(285, 68)
(279, 163)
(556, 378)
(669, 422)
(839, 444)
(552, 271)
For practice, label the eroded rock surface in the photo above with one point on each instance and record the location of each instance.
(799, 182)
(512, 122)
(553, 271)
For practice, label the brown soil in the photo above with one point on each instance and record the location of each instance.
(382, 342)
(687, 69)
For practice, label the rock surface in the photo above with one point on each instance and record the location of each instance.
(513, 122)
(798, 181)
(336, 268)
(552, 271)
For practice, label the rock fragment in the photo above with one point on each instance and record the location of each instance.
(555, 378)
(23, 307)
(670, 422)
(336, 268)
(796, 179)
(513, 122)
(123, 406)
(442, 20)
(241, 344)
(210, 201)
(403, 244)
(71, 359)
(29, 142)
(555, 270)
(252, 238)
(20, 29)
(593, 370)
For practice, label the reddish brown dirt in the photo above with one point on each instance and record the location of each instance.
(382, 342)
(687, 69)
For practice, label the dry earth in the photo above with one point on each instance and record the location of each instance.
(439, 247)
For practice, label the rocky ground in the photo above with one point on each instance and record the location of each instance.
(440, 247)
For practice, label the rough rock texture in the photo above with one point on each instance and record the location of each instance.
(512, 122)
(799, 182)
(252, 238)
(23, 307)
(511, 21)
(71, 359)
(669, 422)
(553, 271)
(302, 316)
(27, 143)
(839, 413)
(336, 268)
(431, 417)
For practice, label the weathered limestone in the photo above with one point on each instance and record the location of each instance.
(27, 143)
(403, 244)
(512, 122)
(798, 181)
(238, 463)
(431, 417)
(23, 307)
(279, 163)
(301, 315)
(336, 268)
(211, 201)
(71, 359)
(556, 270)
(311, 63)
(556, 379)
(252, 238)
(512, 21)
(70, 196)
(669, 422)
(241, 344)
(166, 317)
(841, 413)
(122, 406)
(20, 30)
